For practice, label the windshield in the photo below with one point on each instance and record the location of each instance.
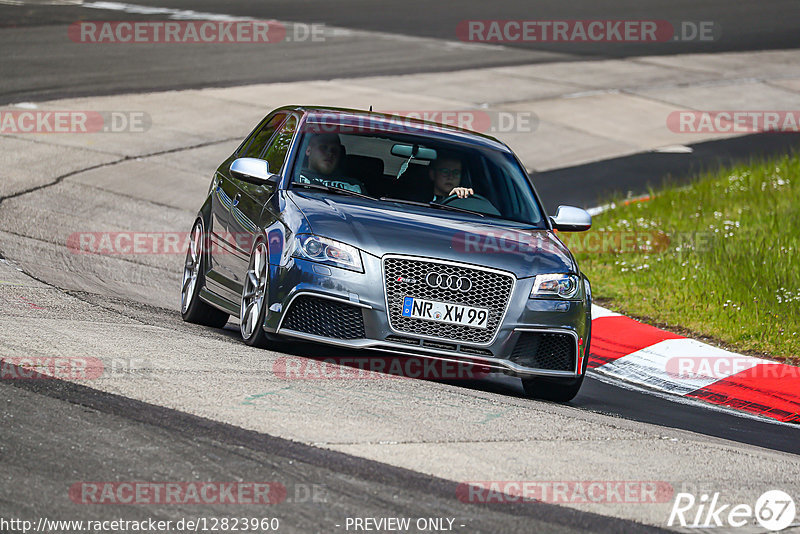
(393, 167)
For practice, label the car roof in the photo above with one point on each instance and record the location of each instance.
(389, 122)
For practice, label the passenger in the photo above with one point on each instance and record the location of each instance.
(324, 154)
(446, 173)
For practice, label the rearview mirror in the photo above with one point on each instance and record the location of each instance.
(571, 219)
(255, 171)
(413, 151)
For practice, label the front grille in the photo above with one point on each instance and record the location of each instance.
(545, 350)
(325, 317)
(406, 278)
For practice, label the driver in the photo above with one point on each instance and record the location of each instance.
(324, 154)
(445, 173)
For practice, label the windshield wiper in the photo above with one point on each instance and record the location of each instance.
(330, 189)
(432, 205)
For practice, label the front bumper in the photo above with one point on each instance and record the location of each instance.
(364, 293)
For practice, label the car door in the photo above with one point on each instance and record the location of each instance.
(224, 276)
(251, 213)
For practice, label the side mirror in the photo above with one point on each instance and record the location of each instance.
(255, 171)
(571, 219)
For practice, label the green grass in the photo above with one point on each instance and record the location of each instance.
(730, 268)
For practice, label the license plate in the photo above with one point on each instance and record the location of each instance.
(442, 312)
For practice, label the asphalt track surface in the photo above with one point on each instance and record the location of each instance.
(149, 442)
(39, 62)
(137, 440)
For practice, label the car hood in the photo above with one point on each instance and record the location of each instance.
(381, 228)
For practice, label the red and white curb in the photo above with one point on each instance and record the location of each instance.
(628, 350)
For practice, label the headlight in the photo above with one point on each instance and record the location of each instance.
(328, 251)
(555, 285)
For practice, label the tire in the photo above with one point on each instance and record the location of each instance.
(194, 310)
(554, 389)
(254, 298)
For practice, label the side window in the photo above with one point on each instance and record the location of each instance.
(253, 146)
(276, 151)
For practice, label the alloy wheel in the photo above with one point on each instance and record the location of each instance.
(255, 287)
(191, 268)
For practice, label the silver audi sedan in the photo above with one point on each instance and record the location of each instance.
(379, 232)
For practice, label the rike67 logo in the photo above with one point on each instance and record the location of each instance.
(773, 511)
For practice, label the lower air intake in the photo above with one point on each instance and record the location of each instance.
(545, 350)
(325, 317)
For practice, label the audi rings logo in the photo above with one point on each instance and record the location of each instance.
(452, 282)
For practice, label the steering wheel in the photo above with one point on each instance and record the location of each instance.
(474, 202)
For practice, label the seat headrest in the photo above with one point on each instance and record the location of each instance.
(363, 166)
(414, 184)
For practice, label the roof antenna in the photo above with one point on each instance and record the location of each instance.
(370, 108)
